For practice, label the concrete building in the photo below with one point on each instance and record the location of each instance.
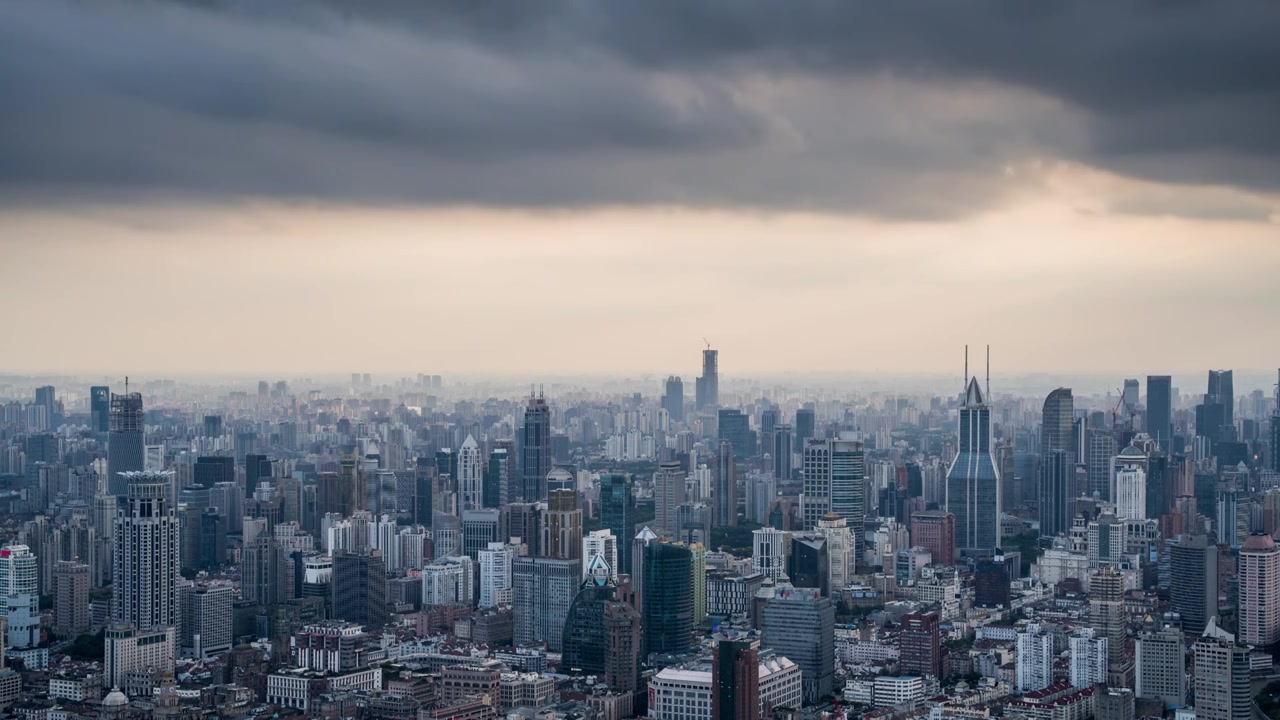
(1259, 582)
(19, 582)
(70, 598)
(206, 627)
(1034, 659)
(600, 543)
(542, 591)
(799, 623)
(769, 553)
(1088, 658)
(1161, 666)
(1221, 676)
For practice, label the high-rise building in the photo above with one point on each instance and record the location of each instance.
(206, 628)
(668, 494)
(100, 408)
(448, 581)
(1161, 666)
(536, 449)
(257, 468)
(1034, 659)
(734, 426)
(1106, 611)
(470, 475)
(1056, 421)
(1221, 675)
(808, 564)
(542, 591)
(1160, 411)
(667, 604)
(71, 581)
(264, 571)
(360, 588)
(840, 562)
(496, 563)
(707, 387)
(602, 543)
(1221, 391)
(920, 643)
(497, 478)
(782, 452)
(673, 399)
(562, 526)
(799, 624)
(1102, 450)
(1193, 590)
(1088, 658)
(146, 561)
(735, 680)
(935, 531)
(769, 552)
(617, 514)
(1056, 474)
(602, 632)
(125, 451)
(805, 424)
(1259, 582)
(835, 482)
(725, 496)
(19, 584)
(973, 482)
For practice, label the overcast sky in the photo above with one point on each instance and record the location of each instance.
(578, 186)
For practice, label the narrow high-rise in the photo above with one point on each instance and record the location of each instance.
(835, 481)
(1221, 676)
(470, 476)
(735, 680)
(1259, 582)
(536, 449)
(973, 482)
(146, 560)
(124, 441)
(617, 514)
(707, 387)
(100, 408)
(1160, 410)
(1055, 472)
(1193, 590)
(725, 495)
(673, 399)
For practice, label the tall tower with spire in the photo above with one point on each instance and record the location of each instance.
(973, 481)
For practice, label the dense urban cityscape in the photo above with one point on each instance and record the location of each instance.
(639, 360)
(405, 547)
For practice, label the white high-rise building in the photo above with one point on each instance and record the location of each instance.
(1035, 659)
(1131, 493)
(19, 583)
(470, 475)
(447, 581)
(769, 552)
(412, 542)
(604, 544)
(1088, 659)
(384, 536)
(145, 567)
(840, 550)
(495, 574)
(1259, 572)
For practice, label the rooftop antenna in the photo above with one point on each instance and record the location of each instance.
(126, 384)
(708, 342)
(965, 383)
(988, 373)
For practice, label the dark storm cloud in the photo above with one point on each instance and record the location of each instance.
(905, 108)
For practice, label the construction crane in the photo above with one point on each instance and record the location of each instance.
(1133, 412)
(708, 342)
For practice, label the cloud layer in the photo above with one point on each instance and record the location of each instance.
(910, 108)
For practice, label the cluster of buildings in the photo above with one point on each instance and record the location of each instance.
(425, 551)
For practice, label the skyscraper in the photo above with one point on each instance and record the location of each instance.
(1221, 391)
(707, 387)
(1056, 472)
(1259, 578)
(1034, 659)
(673, 399)
(667, 597)
(125, 450)
(536, 449)
(668, 494)
(1221, 676)
(725, 496)
(20, 603)
(602, 632)
(1161, 666)
(1102, 448)
(1193, 590)
(840, 560)
(920, 641)
(562, 526)
(735, 680)
(100, 408)
(1160, 410)
(617, 514)
(804, 425)
(70, 598)
(542, 591)
(799, 624)
(1057, 417)
(470, 474)
(146, 562)
(782, 452)
(835, 481)
(936, 532)
(497, 478)
(360, 588)
(973, 482)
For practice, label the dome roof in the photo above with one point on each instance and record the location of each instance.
(559, 474)
(115, 698)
